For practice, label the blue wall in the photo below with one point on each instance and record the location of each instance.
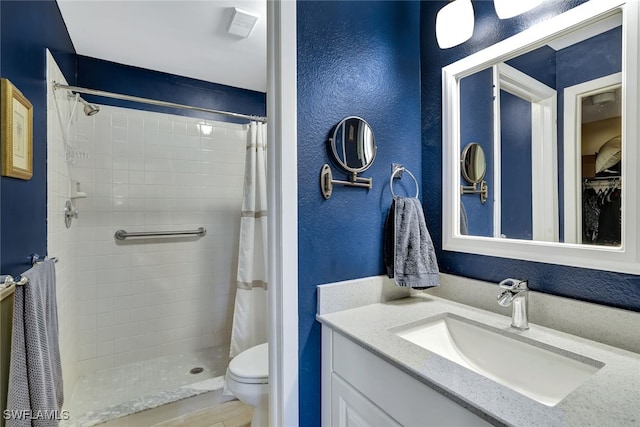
(26, 29)
(354, 58)
(516, 173)
(614, 289)
(539, 64)
(112, 77)
(476, 113)
(596, 57)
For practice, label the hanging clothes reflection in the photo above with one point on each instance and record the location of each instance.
(601, 211)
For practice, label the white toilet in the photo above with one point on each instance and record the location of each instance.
(248, 379)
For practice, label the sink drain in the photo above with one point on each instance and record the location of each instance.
(197, 370)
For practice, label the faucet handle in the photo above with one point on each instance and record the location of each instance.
(514, 284)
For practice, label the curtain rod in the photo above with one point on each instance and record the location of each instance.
(57, 85)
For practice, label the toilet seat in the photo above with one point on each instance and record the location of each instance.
(251, 366)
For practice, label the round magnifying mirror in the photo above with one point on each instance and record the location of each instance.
(472, 163)
(353, 145)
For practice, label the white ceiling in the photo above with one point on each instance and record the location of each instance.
(184, 37)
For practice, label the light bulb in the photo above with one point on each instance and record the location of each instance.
(454, 23)
(205, 128)
(510, 8)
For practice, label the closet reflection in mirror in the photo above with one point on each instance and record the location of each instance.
(543, 118)
(601, 195)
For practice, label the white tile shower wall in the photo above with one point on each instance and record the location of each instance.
(60, 240)
(144, 298)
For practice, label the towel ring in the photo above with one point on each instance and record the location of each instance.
(397, 170)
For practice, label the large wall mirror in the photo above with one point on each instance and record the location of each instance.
(555, 110)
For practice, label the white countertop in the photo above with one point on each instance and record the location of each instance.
(610, 398)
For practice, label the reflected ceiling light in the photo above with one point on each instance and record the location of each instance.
(205, 128)
(242, 23)
(454, 23)
(510, 8)
(603, 98)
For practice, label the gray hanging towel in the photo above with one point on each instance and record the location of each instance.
(409, 255)
(35, 373)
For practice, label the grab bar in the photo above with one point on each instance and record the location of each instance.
(122, 234)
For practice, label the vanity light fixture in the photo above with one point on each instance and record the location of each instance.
(510, 8)
(242, 23)
(454, 23)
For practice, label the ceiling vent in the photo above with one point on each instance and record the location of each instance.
(242, 23)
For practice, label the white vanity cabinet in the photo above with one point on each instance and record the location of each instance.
(350, 408)
(361, 389)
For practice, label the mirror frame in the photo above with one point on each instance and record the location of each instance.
(625, 258)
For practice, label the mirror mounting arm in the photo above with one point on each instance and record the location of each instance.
(327, 181)
(473, 189)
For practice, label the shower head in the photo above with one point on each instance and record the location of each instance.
(89, 109)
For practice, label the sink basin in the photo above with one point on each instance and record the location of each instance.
(539, 371)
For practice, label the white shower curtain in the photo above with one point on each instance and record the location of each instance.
(250, 313)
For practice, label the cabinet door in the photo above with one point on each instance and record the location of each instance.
(349, 408)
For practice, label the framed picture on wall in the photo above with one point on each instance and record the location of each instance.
(16, 132)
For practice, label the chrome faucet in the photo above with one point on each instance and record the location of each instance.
(516, 293)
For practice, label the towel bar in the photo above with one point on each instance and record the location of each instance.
(7, 280)
(35, 259)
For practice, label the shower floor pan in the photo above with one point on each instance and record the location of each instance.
(124, 390)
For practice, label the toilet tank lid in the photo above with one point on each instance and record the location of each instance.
(251, 363)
